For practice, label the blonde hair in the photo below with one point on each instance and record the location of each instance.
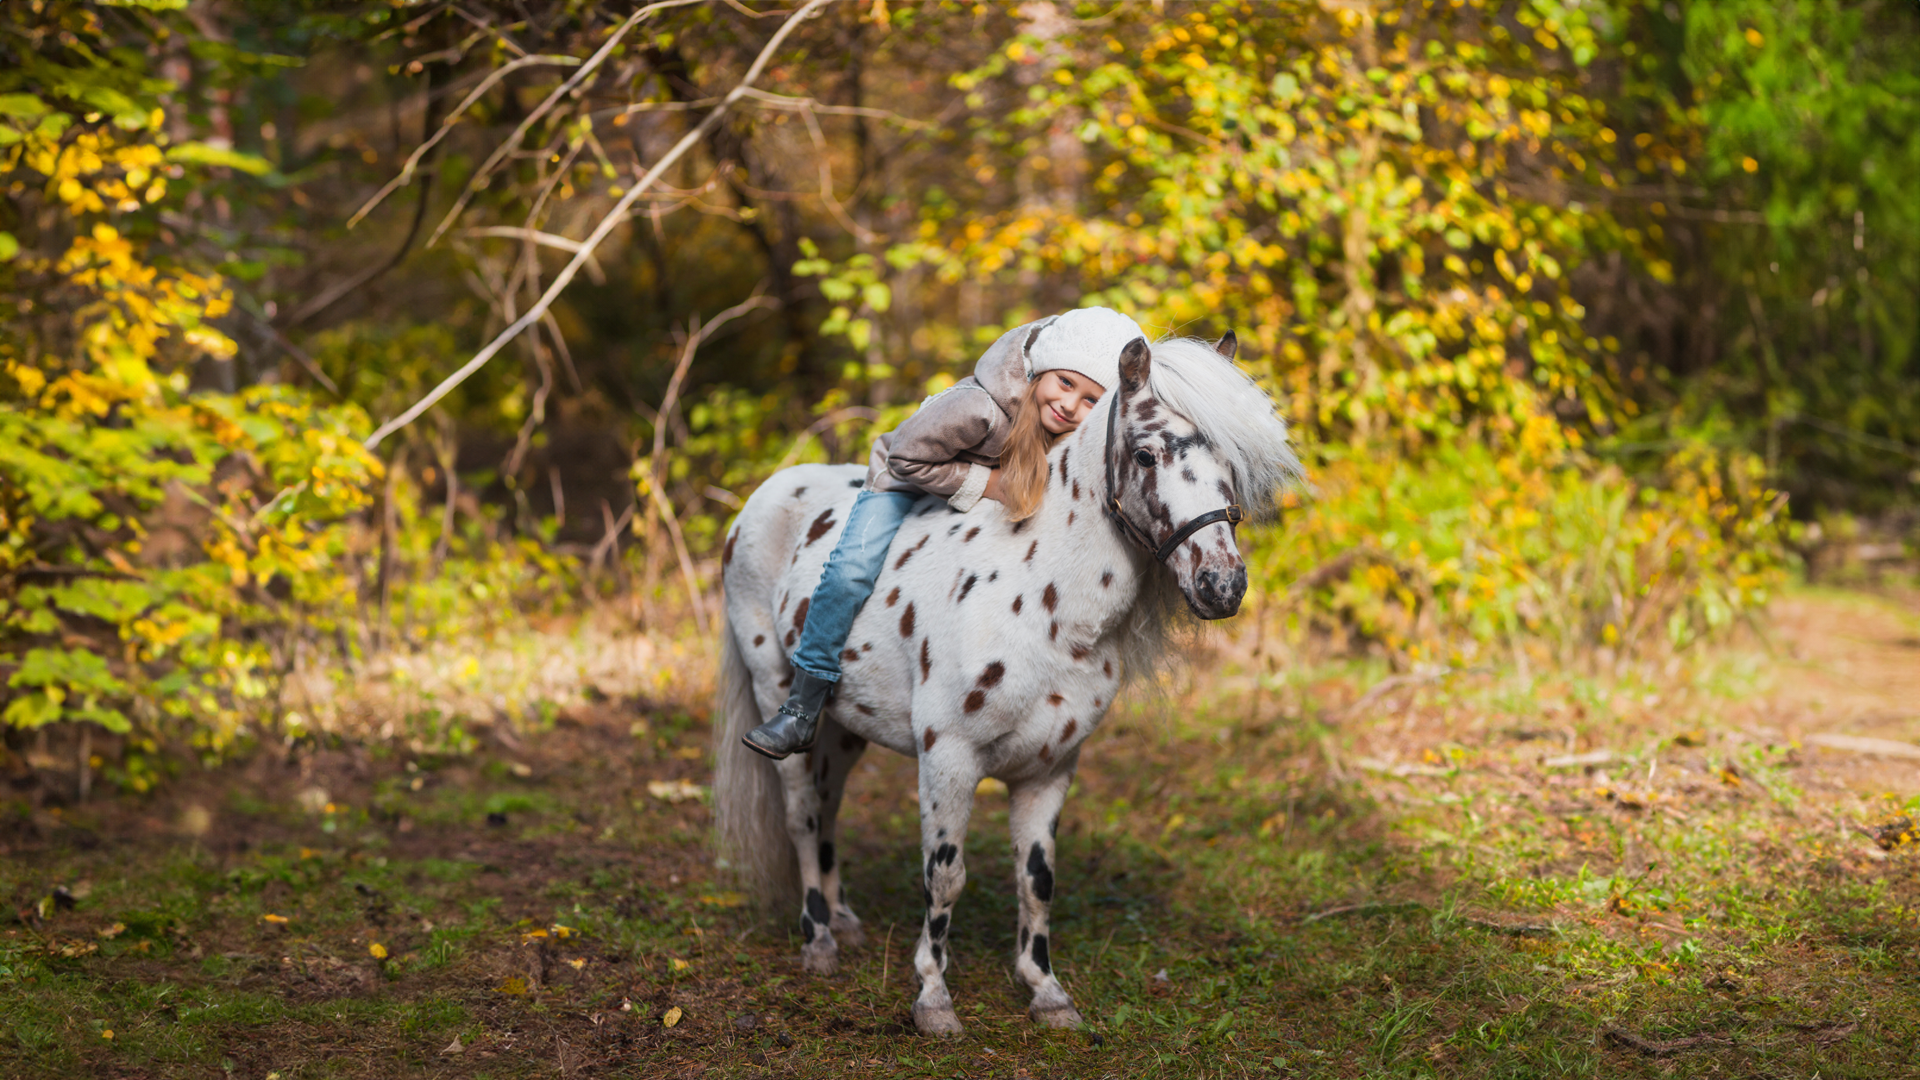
(1023, 461)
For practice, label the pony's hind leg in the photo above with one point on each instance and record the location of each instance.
(1034, 818)
(830, 772)
(947, 781)
(813, 781)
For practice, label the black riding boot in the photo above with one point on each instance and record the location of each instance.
(792, 729)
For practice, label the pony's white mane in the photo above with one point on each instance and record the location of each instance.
(1234, 414)
(1239, 420)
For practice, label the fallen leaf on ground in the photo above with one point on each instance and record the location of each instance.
(514, 985)
(277, 920)
(377, 950)
(672, 1017)
(111, 932)
(675, 791)
(1899, 832)
(453, 1047)
(725, 899)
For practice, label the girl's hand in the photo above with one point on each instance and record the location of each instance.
(994, 490)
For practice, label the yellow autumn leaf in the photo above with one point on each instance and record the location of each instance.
(377, 950)
(277, 920)
(678, 964)
(725, 899)
(672, 1017)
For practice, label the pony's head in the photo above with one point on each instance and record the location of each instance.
(1193, 446)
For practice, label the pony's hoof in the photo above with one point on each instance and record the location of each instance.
(939, 1021)
(848, 933)
(1059, 1016)
(815, 961)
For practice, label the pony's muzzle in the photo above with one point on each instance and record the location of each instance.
(1217, 594)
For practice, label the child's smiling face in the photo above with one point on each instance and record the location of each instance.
(1065, 398)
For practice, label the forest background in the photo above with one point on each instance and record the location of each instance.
(1595, 319)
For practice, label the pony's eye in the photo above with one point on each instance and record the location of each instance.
(1144, 458)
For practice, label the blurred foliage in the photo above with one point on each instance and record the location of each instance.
(1777, 149)
(1467, 556)
(161, 549)
(136, 555)
(1557, 296)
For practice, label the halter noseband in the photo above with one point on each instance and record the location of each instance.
(1229, 513)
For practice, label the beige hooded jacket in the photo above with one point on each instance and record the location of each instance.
(953, 442)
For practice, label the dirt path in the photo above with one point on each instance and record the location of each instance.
(1849, 665)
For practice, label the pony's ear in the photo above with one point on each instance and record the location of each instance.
(1228, 345)
(1136, 360)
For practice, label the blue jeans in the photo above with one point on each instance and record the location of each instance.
(848, 579)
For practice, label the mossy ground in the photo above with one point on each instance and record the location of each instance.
(1255, 880)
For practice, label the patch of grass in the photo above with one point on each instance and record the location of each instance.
(1255, 880)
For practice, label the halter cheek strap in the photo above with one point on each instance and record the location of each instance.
(1229, 513)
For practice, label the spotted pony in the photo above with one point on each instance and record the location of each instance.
(989, 647)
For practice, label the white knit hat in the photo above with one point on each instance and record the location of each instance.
(1086, 340)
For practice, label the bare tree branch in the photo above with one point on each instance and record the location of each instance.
(542, 239)
(586, 71)
(697, 332)
(413, 160)
(607, 224)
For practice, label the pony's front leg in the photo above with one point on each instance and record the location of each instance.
(813, 783)
(947, 780)
(1034, 820)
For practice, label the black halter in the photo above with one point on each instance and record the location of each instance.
(1229, 513)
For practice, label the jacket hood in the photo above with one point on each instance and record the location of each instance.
(1003, 368)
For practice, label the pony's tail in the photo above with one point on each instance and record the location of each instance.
(749, 803)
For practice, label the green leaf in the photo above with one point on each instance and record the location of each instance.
(31, 711)
(81, 669)
(112, 719)
(199, 153)
(9, 247)
(24, 106)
